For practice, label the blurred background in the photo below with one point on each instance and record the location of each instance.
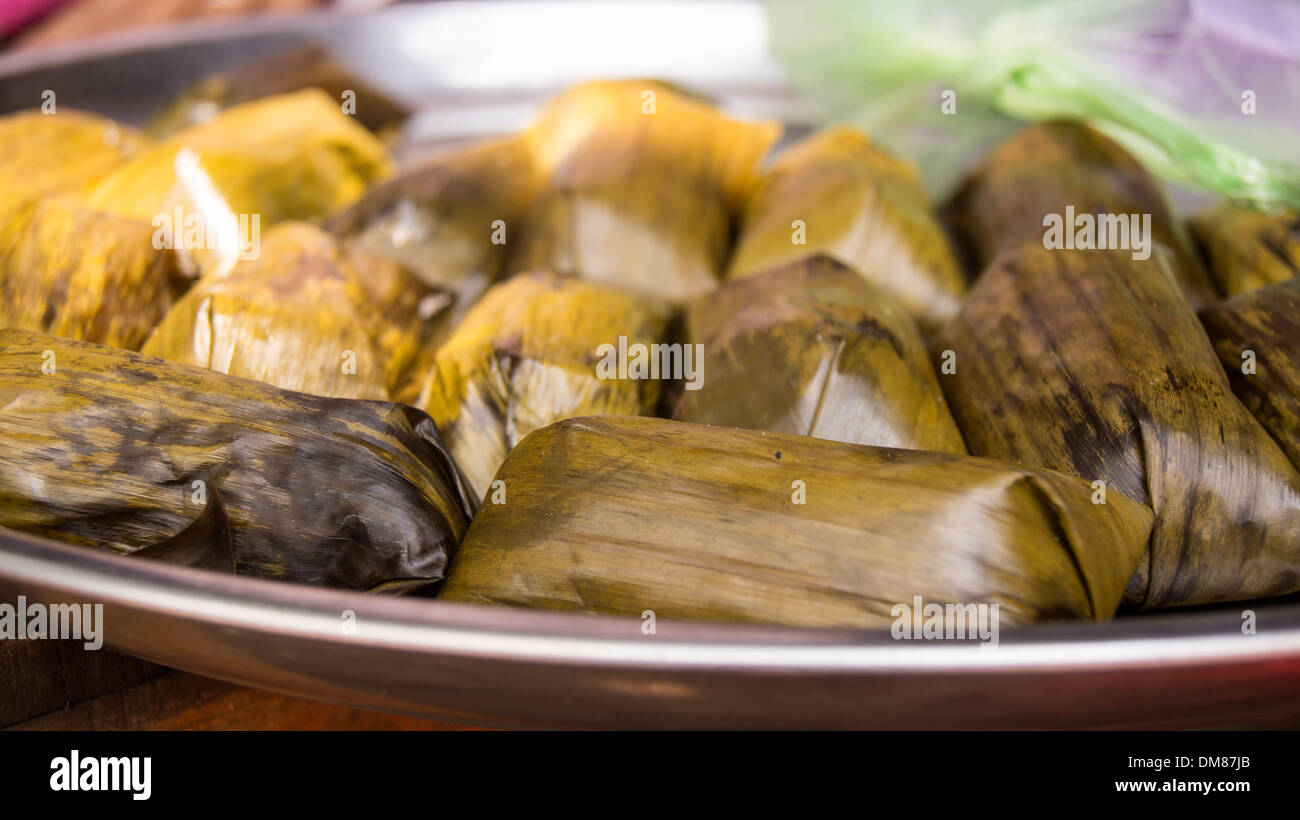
(27, 24)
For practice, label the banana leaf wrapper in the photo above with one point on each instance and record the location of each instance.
(207, 543)
(864, 207)
(623, 515)
(309, 313)
(1265, 322)
(84, 274)
(105, 450)
(1043, 169)
(1247, 249)
(643, 201)
(526, 356)
(812, 348)
(441, 218)
(281, 73)
(293, 156)
(1091, 363)
(47, 154)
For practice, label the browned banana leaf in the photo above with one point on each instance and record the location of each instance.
(811, 348)
(308, 313)
(1091, 363)
(623, 515)
(836, 193)
(526, 356)
(294, 70)
(1257, 337)
(106, 448)
(57, 153)
(643, 183)
(294, 156)
(1247, 249)
(83, 274)
(1046, 168)
(207, 543)
(452, 219)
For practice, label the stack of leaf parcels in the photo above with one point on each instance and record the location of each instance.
(671, 373)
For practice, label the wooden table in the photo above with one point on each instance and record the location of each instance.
(59, 685)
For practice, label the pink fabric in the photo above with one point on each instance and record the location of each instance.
(14, 14)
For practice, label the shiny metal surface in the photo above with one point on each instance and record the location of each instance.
(514, 667)
(477, 68)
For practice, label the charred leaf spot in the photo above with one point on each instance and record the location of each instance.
(870, 327)
(1177, 381)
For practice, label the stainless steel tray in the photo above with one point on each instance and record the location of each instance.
(475, 68)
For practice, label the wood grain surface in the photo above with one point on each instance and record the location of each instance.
(56, 685)
(180, 701)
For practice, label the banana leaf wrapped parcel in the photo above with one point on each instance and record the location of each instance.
(1257, 337)
(620, 515)
(643, 183)
(309, 313)
(212, 187)
(63, 152)
(835, 192)
(814, 349)
(529, 354)
(1064, 169)
(105, 448)
(80, 273)
(1091, 363)
(1246, 248)
(310, 66)
(451, 219)
(65, 268)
